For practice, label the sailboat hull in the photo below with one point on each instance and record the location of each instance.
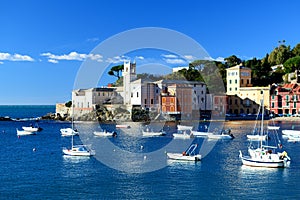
(257, 163)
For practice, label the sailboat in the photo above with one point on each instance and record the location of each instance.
(265, 155)
(77, 150)
(69, 131)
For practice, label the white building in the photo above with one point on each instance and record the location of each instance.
(85, 100)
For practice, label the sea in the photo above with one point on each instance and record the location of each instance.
(33, 167)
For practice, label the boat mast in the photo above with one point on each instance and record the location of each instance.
(72, 121)
(262, 118)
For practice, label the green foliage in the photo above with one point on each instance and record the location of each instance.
(68, 104)
(292, 64)
(150, 77)
(279, 55)
(232, 61)
(296, 50)
(140, 115)
(116, 70)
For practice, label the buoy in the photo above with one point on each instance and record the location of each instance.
(145, 157)
(34, 149)
(142, 147)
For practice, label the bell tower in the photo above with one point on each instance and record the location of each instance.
(129, 75)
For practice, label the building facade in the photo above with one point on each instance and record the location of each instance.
(85, 100)
(242, 97)
(285, 99)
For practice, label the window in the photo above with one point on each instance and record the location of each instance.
(235, 89)
(229, 81)
(273, 97)
(88, 104)
(172, 100)
(235, 101)
(137, 94)
(146, 101)
(131, 94)
(242, 81)
(103, 94)
(235, 81)
(151, 101)
(273, 105)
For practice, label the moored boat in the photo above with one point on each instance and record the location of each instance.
(68, 132)
(122, 126)
(265, 155)
(105, 133)
(188, 155)
(23, 132)
(185, 134)
(78, 150)
(184, 127)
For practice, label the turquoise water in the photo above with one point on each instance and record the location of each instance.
(46, 174)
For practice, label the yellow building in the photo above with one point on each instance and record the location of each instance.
(242, 97)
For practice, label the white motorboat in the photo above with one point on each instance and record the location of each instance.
(183, 134)
(222, 135)
(68, 132)
(32, 128)
(78, 150)
(105, 133)
(273, 127)
(122, 126)
(201, 133)
(188, 155)
(264, 155)
(23, 132)
(293, 133)
(150, 133)
(183, 127)
(257, 137)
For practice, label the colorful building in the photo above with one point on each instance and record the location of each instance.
(242, 97)
(285, 99)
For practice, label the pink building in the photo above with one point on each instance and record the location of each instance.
(285, 99)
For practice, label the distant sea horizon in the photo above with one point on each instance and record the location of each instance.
(25, 111)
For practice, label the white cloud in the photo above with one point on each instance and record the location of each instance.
(52, 61)
(15, 57)
(175, 61)
(189, 57)
(140, 57)
(220, 59)
(169, 56)
(117, 59)
(72, 56)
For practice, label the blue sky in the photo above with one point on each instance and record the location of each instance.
(44, 43)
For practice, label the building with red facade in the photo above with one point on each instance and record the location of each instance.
(285, 99)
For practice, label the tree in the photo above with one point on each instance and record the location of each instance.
(279, 55)
(68, 104)
(115, 71)
(232, 61)
(296, 50)
(292, 64)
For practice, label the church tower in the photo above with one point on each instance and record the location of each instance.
(129, 75)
